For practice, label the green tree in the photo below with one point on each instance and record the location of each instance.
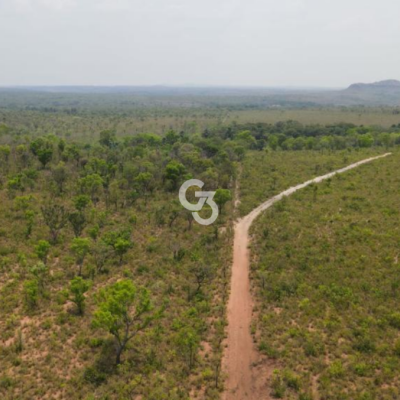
(366, 140)
(121, 247)
(42, 250)
(22, 203)
(5, 152)
(273, 142)
(22, 155)
(123, 310)
(143, 181)
(240, 152)
(41, 273)
(55, 217)
(78, 222)
(100, 253)
(171, 137)
(92, 185)
(174, 172)
(78, 287)
(120, 242)
(38, 144)
(108, 138)
(31, 293)
(15, 183)
(81, 202)
(60, 176)
(42, 148)
(188, 342)
(80, 248)
(203, 274)
(30, 221)
(222, 196)
(45, 156)
(94, 232)
(246, 139)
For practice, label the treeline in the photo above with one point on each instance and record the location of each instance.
(117, 171)
(292, 135)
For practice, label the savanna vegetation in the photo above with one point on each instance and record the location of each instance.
(325, 272)
(109, 290)
(266, 173)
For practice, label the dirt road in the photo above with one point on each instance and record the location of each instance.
(246, 376)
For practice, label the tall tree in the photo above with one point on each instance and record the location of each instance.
(78, 288)
(78, 222)
(55, 217)
(80, 247)
(222, 196)
(123, 310)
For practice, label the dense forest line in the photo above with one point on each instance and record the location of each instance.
(291, 135)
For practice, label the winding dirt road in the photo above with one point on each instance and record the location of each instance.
(246, 376)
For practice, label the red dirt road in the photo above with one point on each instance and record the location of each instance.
(247, 375)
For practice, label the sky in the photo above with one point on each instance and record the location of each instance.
(302, 43)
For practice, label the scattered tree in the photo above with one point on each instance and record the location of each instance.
(78, 222)
(78, 288)
(222, 196)
(123, 310)
(31, 292)
(42, 250)
(55, 217)
(80, 247)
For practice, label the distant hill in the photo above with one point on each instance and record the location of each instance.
(370, 94)
(390, 84)
(383, 93)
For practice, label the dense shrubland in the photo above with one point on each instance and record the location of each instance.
(265, 174)
(325, 271)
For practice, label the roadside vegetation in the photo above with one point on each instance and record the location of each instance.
(266, 174)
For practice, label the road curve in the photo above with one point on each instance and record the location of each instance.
(246, 380)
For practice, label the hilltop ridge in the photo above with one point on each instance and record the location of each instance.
(386, 84)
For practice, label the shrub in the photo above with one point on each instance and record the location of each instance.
(336, 369)
(361, 369)
(31, 293)
(78, 288)
(292, 381)
(278, 386)
(396, 349)
(394, 320)
(94, 376)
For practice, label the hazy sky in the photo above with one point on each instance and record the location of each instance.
(329, 43)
